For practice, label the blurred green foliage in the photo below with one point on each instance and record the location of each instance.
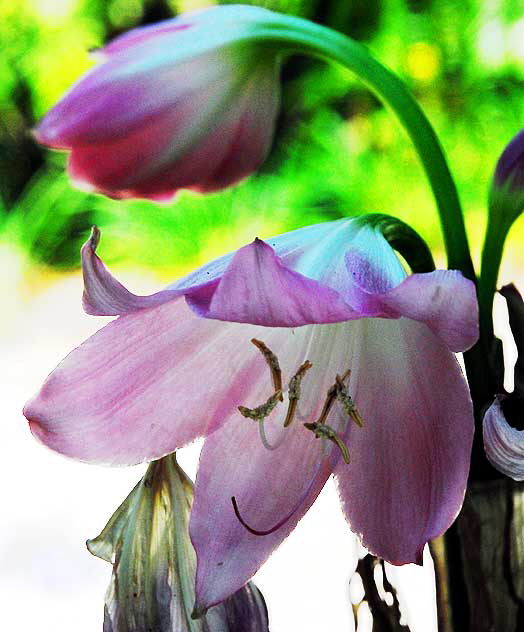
(338, 151)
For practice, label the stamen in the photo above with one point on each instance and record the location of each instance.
(323, 431)
(331, 396)
(272, 362)
(347, 403)
(294, 391)
(261, 412)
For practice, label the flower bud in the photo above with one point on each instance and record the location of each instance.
(152, 586)
(510, 166)
(186, 103)
(506, 199)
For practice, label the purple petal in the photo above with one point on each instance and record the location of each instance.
(144, 385)
(410, 461)
(503, 444)
(123, 94)
(268, 485)
(104, 295)
(257, 288)
(443, 300)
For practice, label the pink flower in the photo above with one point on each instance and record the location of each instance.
(177, 365)
(186, 103)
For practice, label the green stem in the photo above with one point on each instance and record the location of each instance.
(307, 37)
(489, 271)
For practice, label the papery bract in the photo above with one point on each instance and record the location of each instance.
(177, 365)
(186, 103)
(152, 587)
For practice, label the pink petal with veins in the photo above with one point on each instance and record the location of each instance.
(146, 384)
(409, 463)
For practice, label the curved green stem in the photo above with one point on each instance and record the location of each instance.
(307, 37)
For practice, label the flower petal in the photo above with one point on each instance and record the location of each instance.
(103, 294)
(125, 93)
(267, 485)
(252, 129)
(409, 462)
(141, 34)
(257, 288)
(444, 300)
(216, 18)
(503, 444)
(144, 385)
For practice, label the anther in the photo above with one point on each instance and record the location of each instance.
(273, 364)
(323, 431)
(261, 412)
(294, 391)
(332, 396)
(347, 403)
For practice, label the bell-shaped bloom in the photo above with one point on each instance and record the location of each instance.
(293, 356)
(186, 103)
(503, 422)
(152, 587)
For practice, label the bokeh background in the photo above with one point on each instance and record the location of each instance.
(337, 152)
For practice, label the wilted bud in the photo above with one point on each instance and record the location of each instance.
(503, 423)
(504, 445)
(506, 200)
(152, 586)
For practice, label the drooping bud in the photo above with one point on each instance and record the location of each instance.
(152, 586)
(188, 103)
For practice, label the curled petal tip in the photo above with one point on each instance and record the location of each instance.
(94, 238)
(503, 444)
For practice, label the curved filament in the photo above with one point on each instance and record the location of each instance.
(264, 439)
